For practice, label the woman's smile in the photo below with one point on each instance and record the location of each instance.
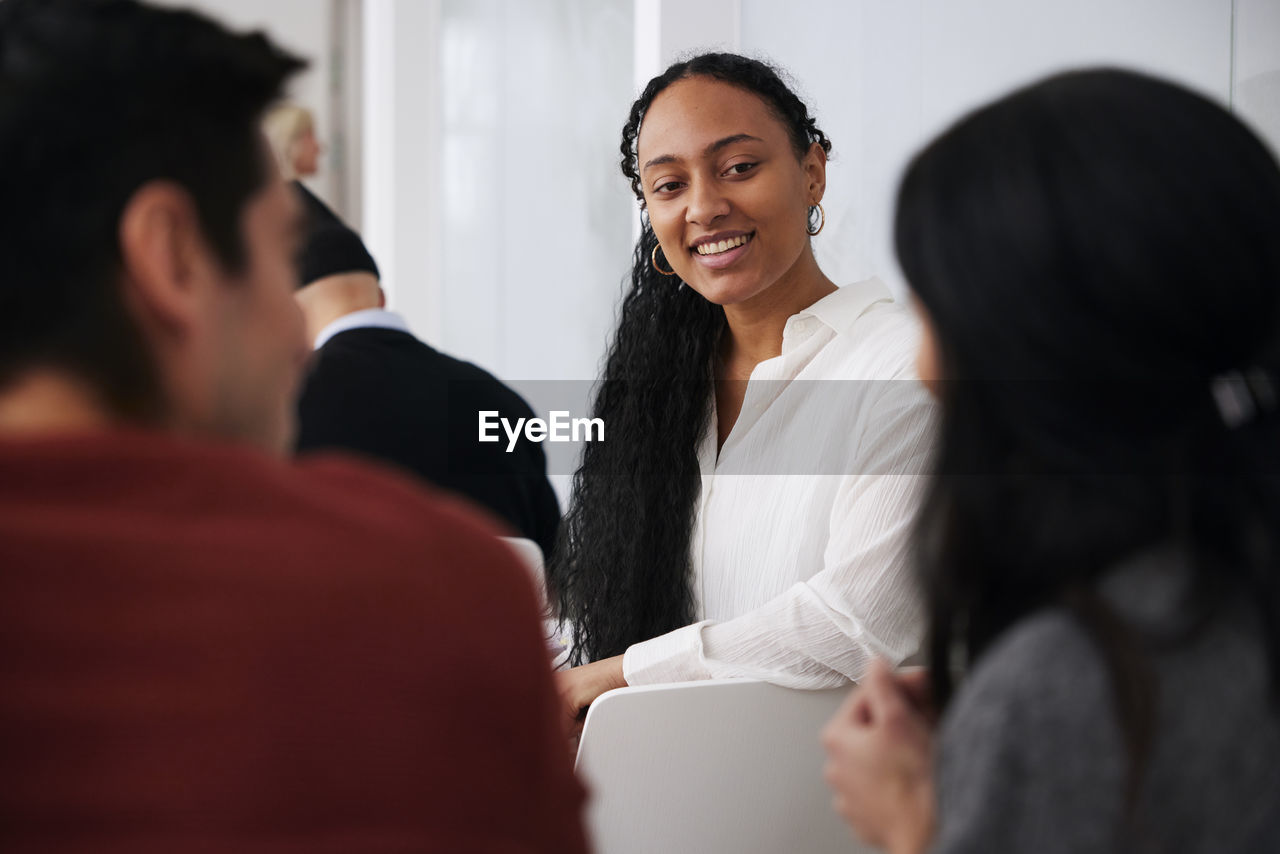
(718, 251)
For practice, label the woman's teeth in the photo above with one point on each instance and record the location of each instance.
(723, 245)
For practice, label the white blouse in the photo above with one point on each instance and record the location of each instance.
(800, 549)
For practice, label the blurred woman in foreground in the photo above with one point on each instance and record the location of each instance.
(1097, 258)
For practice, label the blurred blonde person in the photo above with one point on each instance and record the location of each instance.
(291, 132)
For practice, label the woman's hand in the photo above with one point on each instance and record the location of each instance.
(579, 687)
(880, 760)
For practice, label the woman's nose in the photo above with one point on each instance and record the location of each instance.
(707, 202)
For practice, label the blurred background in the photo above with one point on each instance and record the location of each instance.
(475, 142)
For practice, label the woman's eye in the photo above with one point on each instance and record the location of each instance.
(740, 168)
(668, 187)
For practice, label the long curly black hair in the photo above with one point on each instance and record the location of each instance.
(621, 571)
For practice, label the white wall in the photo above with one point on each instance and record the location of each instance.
(401, 155)
(536, 213)
(1256, 73)
(667, 29)
(493, 200)
(884, 77)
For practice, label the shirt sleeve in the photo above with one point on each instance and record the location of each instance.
(863, 602)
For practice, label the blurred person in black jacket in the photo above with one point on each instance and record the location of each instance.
(375, 389)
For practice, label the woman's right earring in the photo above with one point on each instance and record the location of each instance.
(653, 256)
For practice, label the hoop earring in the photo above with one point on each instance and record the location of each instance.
(822, 220)
(653, 256)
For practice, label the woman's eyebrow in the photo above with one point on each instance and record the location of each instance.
(729, 140)
(709, 150)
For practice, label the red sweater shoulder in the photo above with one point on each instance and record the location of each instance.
(254, 649)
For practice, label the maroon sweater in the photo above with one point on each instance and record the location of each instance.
(206, 650)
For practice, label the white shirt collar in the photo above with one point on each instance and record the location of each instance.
(837, 311)
(376, 318)
(846, 304)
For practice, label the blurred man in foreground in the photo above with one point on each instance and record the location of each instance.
(202, 646)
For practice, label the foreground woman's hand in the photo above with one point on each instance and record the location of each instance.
(579, 687)
(880, 761)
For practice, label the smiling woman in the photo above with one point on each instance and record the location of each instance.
(731, 214)
(770, 572)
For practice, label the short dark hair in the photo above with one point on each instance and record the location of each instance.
(98, 97)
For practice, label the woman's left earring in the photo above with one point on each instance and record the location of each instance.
(822, 219)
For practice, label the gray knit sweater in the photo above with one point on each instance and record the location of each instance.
(1031, 757)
